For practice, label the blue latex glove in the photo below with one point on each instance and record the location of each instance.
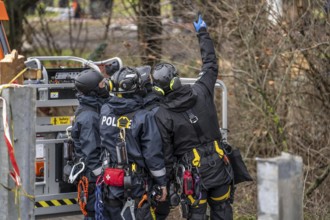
(198, 24)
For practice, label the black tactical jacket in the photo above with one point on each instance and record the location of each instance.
(85, 131)
(143, 140)
(179, 135)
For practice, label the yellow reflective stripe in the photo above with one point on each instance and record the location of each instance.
(67, 201)
(55, 202)
(218, 149)
(43, 204)
(197, 159)
(192, 200)
(224, 197)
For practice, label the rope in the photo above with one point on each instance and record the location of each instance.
(83, 194)
(18, 75)
(23, 193)
(98, 199)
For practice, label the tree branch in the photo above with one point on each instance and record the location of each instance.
(318, 181)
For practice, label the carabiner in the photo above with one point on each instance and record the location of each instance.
(73, 176)
(180, 171)
(122, 134)
(130, 203)
(68, 131)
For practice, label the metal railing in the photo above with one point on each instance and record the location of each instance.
(84, 62)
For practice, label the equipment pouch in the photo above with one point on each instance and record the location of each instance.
(67, 170)
(121, 152)
(114, 177)
(188, 183)
(68, 149)
(241, 174)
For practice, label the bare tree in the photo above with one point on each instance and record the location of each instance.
(149, 31)
(17, 10)
(109, 8)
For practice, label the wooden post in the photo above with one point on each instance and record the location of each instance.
(10, 66)
(280, 188)
(21, 105)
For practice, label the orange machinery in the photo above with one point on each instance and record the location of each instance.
(4, 46)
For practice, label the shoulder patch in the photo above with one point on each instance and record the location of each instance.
(123, 122)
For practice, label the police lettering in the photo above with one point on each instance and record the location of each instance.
(112, 121)
(109, 121)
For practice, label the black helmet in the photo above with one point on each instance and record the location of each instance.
(126, 80)
(87, 81)
(144, 72)
(165, 77)
(111, 68)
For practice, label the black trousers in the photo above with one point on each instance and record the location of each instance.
(218, 200)
(112, 212)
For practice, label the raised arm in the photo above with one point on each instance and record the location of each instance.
(210, 61)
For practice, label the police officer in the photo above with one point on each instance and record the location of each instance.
(151, 101)
(92, 93)
(130, 136)
(188, 123)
